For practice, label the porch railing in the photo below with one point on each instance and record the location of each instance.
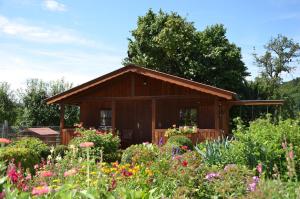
(200, 136)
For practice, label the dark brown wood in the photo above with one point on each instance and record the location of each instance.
(216, 114)
(113, 116)
(62, 122)
(132, 85)
(256, 102)
(153, 118)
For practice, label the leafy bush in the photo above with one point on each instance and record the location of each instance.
(140, 153)
(180, 140)
(180, 131)
(262, 142)
(35, 145)
(108, 143)
(25, 156)
(231, 182)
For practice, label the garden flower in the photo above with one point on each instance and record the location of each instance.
(283, 145)
(70, 172)
(211, 176)
(12, 173)
(126, 173)
(252, 186)
(4, 141)
(160, 143)
(86, 144)
(259, 168)
(40, 190)
(291, 155)
(184, 163)
(46, 174)
(184, 147)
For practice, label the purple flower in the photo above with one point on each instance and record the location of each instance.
(160, 143)
(253, 184)
(211, 176)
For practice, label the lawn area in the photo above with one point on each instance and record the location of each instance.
(260, 161)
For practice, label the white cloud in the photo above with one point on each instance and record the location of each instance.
(40, 34)
(53, 5)
(19, 64)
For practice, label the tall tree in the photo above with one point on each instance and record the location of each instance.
(8, 104)
(36, 112)
(280, 57)
(169, 43)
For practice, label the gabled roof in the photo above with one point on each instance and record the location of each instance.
(42, 131)
(147, 72)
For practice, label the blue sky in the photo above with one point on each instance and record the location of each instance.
(83, 39)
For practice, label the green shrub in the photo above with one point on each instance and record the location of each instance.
(25, 156)
(229, 182)
(180, 140)
(35, 145)
(108, 143)
(261, 142)
(140, 153)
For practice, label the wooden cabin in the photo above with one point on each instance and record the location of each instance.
(140, 104)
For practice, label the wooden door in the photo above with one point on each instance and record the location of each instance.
(142, 130)
(133, 122)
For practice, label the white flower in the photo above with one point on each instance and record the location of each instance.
(58, 158)
(52, 149)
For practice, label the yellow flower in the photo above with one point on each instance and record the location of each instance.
(149, 172)
(56, 180)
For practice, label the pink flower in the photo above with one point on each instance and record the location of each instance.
(46, 174)
(40, 190)
(70, 172)
(291, 155)
(259, 168)
(184, 163)
(86, 144)
(253, 184)
(283, 145)
(4, 140)
(211, 176)
(36, 166)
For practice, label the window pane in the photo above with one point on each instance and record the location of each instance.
(105, 117)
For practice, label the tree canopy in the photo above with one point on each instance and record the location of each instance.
(169, 43)
(8, 106)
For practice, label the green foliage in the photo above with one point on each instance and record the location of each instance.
(8, 105)
(180, 131)
(35, 145)
(25, 156)
(214, 152)
(276, 189)
(140, 153)
(180, 140)
(169, 43)
(107, 143)
(35, 111)
(261, 142)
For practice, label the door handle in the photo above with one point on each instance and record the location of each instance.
(138, 125)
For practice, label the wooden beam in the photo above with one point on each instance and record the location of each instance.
(153, 120)
(62, 123)
(256, 102)
(113, 117)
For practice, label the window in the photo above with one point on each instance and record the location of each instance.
(105, 118)
(188, 117)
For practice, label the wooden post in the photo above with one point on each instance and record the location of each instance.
(113, 117)
(62, 123)
(153, 107)
(217, 114)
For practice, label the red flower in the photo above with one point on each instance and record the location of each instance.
(184, 148)
(4, 140)
(184, 163)
(126, 173)
(86, 144)
(113, 185)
